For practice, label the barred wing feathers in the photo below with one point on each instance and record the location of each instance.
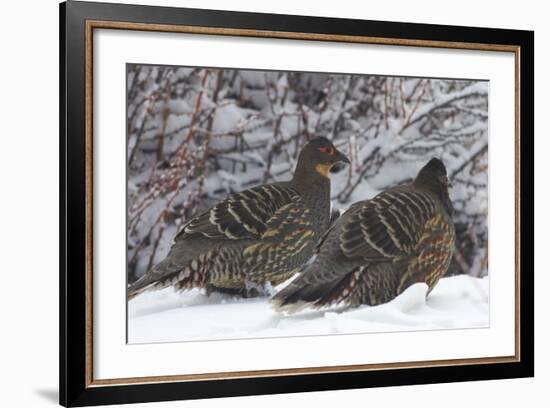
(243, 215)
(388, 226)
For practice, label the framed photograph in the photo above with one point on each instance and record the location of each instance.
(256, 203)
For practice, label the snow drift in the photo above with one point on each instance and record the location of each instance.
(457, 302)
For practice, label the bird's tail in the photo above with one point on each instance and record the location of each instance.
(168, 273)
(160, 276)
(147, 281)
(316, 287)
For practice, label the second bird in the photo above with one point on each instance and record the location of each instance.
(255, 238)
(379, 247)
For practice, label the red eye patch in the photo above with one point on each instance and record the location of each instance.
(328, 150)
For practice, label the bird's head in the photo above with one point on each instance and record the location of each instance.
(321, 155)
(433, 176)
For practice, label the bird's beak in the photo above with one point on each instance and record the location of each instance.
(338, 160)
(341, 157)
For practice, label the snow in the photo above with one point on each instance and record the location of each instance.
(478, 88)
(457, 302)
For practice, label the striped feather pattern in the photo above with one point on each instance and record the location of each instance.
(288, 240)
(243, 215)
(388, 225)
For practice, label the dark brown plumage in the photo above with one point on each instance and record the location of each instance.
(379, 247)
(253, 238)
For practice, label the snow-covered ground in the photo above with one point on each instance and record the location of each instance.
(166, 316)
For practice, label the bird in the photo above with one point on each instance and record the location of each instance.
(380, 247)
(255, 239)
